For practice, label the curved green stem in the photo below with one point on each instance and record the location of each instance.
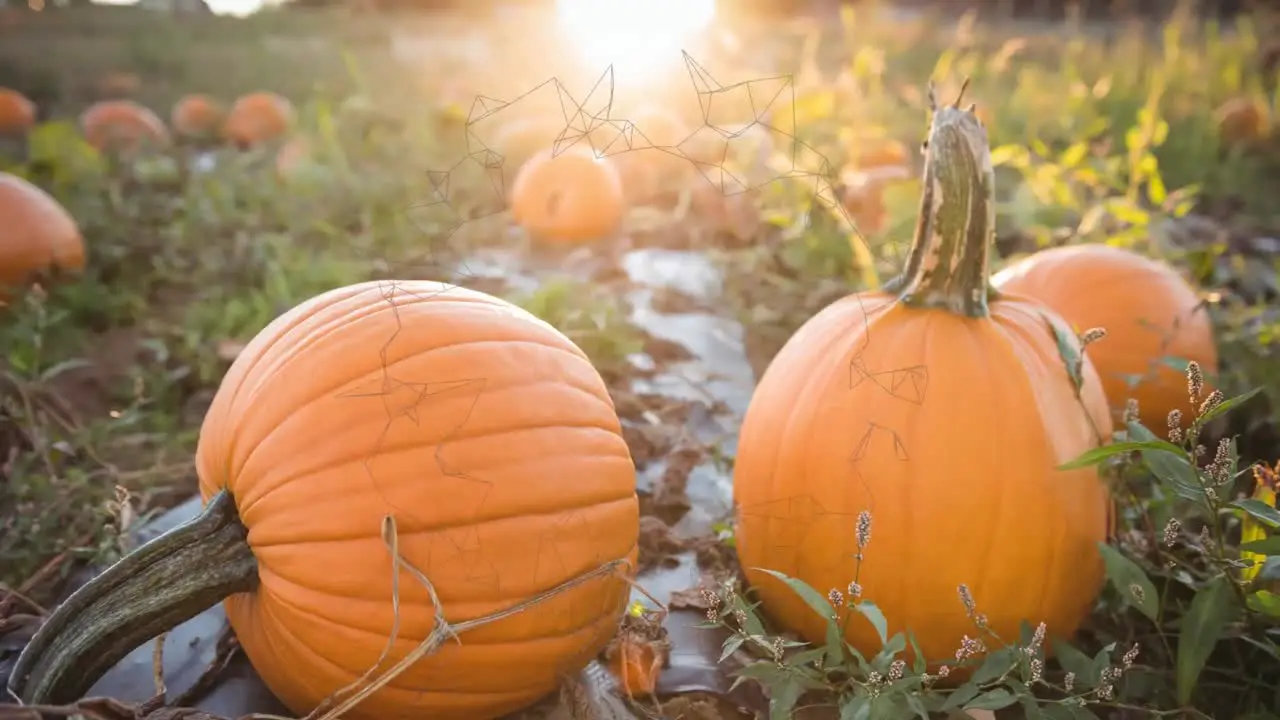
(947, 266)
(153, 589)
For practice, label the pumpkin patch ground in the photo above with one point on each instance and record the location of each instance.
(770, 387)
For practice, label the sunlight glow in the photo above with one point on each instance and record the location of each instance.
(632, 35)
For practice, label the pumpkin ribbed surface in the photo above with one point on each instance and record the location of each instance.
(948, 431)
(122, 125)
(196, 115)
(568, 196)
(38, 233)
(258, 117)
(17, 113)
(944, 412)
(1149, 311)
(493, 442)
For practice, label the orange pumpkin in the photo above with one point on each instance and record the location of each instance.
(944, 414)
(568, 197)
(119, 85)
(257, 118)
(890, 153)
(17, 113)
(292, 156)
(1148, 309)
(122, 125)
(521, 138)
(39, 234)
(482, 431)
(196, 115)
(1241, 120)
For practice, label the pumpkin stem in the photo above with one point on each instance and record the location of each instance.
(947, 266)
(163, 583)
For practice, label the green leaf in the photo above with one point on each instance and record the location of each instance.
(1264, 602)
(1074, 661)
(871, 612)
(994, 665)
(1174, 470)
(814, 599)
(1125, 574)
(917, 706)
(783, 698)
(855, 707)
(1266, 546)
(1098, 454)
(834, 649)
(994, 699)
(961, 695)
(1227, 405)
(1259, 510)
(1211, 609)
(920, 663)
(731, 645)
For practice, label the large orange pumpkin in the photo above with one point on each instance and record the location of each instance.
(257, 118)
(1150, 312)
(122, 125)
(483, 431)
(17, 113)
(196, 115)
(942, 411)
(39, 234)
(570, 196)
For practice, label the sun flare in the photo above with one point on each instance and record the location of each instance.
(632, 35)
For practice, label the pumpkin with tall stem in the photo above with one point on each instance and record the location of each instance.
(939, 410)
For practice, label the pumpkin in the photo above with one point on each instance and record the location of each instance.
(123, 126)
(890, 153)
(1149, 311)
(483, 431)
(257, 118)
(196, 115)
(1241, 120)
(653, 160)
(119, 85)
(292, 157)
(39, 234)
(17, 113)
(942, 411)
(519, 139)
(569, 197)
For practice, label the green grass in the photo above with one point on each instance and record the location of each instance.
(104, 378)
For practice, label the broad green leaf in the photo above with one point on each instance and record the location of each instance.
(1098, 454)
(920, 663)
(834, 650)
(783, 698)
(731, 645)
(855, 707)
(1267, 546)
(994, 665)
(1211, 609)
(872, 613)
(961, 695)
(1124, 575)
(814, 599)
(1227, 405)
(917, 706)
(1263, 512)
(993, 699)
(1264, 602)
(1074, 661)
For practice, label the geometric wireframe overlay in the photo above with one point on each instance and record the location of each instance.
(591, 121)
